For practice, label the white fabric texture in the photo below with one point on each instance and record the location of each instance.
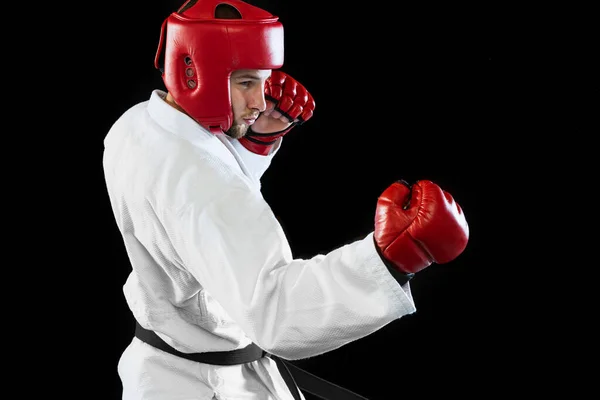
(212, 269)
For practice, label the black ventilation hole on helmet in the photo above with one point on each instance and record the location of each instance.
(188, 60)
(187, 5)
(227, 11)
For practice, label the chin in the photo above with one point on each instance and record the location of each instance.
(237, 131)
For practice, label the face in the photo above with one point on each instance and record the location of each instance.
(247, 98)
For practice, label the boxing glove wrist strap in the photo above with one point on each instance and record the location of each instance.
(262, 138)
(401, 277)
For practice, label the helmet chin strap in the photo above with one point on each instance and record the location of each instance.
(216, 130)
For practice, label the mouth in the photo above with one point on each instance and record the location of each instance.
(249, 121)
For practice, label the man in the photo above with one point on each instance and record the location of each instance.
(219, 300)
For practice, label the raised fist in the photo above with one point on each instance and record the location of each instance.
(291, 99)
(419, 225)
(288, 104)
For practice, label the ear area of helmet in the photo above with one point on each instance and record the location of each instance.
(190, 72)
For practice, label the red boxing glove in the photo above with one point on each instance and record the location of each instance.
(292, 100)
(418, 226)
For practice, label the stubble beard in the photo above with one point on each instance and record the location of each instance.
(237, 131)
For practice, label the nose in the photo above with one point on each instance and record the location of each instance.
(257, 99)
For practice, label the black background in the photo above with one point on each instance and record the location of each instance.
(411, 91)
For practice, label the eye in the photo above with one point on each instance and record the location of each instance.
(245, 83)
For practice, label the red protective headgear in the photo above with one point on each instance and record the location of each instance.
(200, 52)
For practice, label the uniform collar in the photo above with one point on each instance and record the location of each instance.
(174, 120)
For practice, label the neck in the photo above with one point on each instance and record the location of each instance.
(171, 101)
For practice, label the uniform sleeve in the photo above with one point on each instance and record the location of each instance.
(295, 308)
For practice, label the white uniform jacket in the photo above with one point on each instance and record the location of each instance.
(212, 269)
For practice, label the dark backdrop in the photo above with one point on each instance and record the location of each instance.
(403, 91)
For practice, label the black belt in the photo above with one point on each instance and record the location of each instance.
(294, 377)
